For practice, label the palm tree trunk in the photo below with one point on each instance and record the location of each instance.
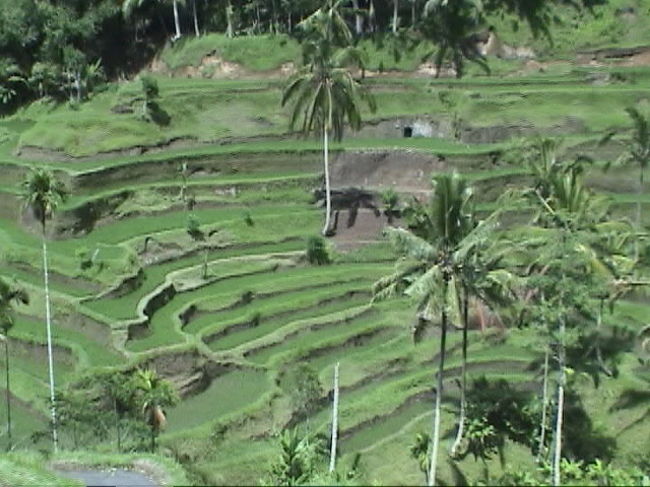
(196, 19)
(542, 433)
(153, 439)
(463, 386)
(335, 418)
(638, 214)
(177, 23)
(117, 426)
(229, 27)
(395, 8)
(560, 410)
(358, 20)
(371, 16)
(49, 342)
(438, 407)
(205, 264)
(599, 353)
(328, 195)
(7, 393)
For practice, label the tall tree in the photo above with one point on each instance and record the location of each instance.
(177, 23)
(570, 228)
(9, 295)
(196, 19)
(395, 15)
(43, 193)
(324, 93)
(426, 270)
(480, 279)
(335, 418)
(638, 153)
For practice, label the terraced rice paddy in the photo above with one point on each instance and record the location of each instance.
(262, 309)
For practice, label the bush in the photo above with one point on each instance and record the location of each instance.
(317, 251)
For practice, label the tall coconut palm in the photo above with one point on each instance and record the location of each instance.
(324, 93)
(427, 270)
(479, 279)
(395, 17)
(177, 23)
(154, 393)
(9, 295)
(639, 154)
(43, 194)
(570, 247)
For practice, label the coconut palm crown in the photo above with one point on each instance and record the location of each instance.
(43, 194)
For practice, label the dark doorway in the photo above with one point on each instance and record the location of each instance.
(408, 131)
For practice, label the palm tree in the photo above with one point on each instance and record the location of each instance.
(43, 194)
(153, 394)
(427, 269)
(419, 451)
(395, 10)
(479, 278)
(324, 93)
(639, 154)
(451, 26)
(8, 296)
(177, 23)
(572, 247)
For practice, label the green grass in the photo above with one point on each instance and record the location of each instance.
(256, 53)
(24, 422)
(90, 352)
(124, 307)
(217, 112)
(165, 327)
(225, 395)
(311, 337)
(267, 326)
(27, 468)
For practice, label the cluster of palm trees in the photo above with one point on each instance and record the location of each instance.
(43, 193)
(566, 261)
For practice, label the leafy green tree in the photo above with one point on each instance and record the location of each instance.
(302, 384)
(45, 78)
(298, 460)
(194, 231)
(9, 295)
(570, 249)
(317, 253)
(150, 95)
(420, 452)
(12, 79)
(152, 394)
(390, 201)
(76, 411)
(43, 193)
(324, 93)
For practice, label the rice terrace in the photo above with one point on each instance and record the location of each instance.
(324, 242)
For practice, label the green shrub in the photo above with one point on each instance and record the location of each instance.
(317, 251)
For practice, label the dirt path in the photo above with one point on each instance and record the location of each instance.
(112, 478)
